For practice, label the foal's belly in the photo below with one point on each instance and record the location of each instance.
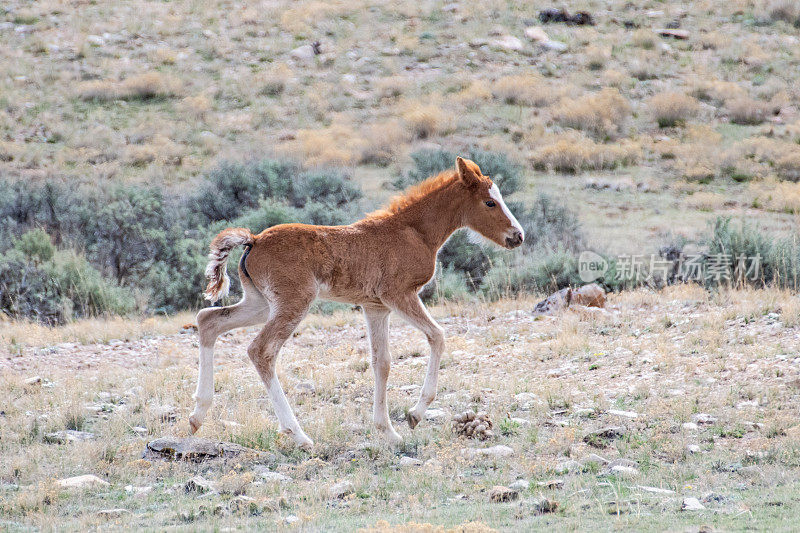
(346, 295)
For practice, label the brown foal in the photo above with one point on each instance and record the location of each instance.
(379, 263)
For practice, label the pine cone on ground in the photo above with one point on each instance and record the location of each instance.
(472, 425)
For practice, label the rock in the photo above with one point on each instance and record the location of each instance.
(601, 437)
(654, 490)
(82, 482)
(303, 53)
(536, 34)
(139, 430)
(291, 519)
(35, 380)
(165, 413)
(409, 461)
(580, 18)
(526, 400)
(520, 485)
(704, 418)
(451, 8)
(110, 514)
(568, 467)
(507, 42)
(341, 490)
(435, 415)
(269, 475)
(68, 435)
(752, 472)
(594, 458)
(674, 33)
(545, 505)
(131, 489)
(95, 40)
(623, 462)
(500, 494)
(693, 448)
(625, 472)
(305, 388)
(200, 485)
(690, 426)
(242, 504)
(557, 46)
(493, 451)
(551, 484)
(692, 504)
(624, 414)
(522, 422)
(196, 450)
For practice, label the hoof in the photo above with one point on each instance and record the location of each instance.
(307, 445)
(394, 439)
(413, 419)
(194, 424)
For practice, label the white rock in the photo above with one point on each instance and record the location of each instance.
(537, 34)
(341, 489)
(35, 380)
(690, 426)
(112, 513)
(304, 53)
(692, 504)
(693, 448)
(557, 46)
(520, 485)
(436, 415)
(625, 472)
(569, 466)
(95, 40)
(81, 482)
(704, 418)
(268, 475)
(131, 489)
(291, 519)
(493, 451)
(507, 42)
(410, 461)
(624, 414)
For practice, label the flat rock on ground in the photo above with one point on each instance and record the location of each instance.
(195, 450)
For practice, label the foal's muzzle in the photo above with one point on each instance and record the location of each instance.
(515, 239)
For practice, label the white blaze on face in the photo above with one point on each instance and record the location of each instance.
(494, 192)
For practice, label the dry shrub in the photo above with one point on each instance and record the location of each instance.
(766, 150)
(524, 90)
(391, 86)
(381, 142)
(747, 111)
(788, 166)
(718, 92)
(615, 78)
(644, 38)
(602, 114)
(707, 201)
(645, 66)
(473, 96)
(159, 149)
(713, 40)
(336, 145)
(783, 197)
(143, 86)
(9, 151)
(274, 81)
(574, 153)
(597, 57)
(424, 121)
(697, 157)
(672, 108)
(785, 10)
(304, 17)
(196, 106)
(165, 56)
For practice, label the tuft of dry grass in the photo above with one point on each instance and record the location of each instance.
(747, 111)
(671, 109)
(788, 166)
(142, 86)
(603, 114)
(527, 90)
(382, 142)
(575, 153)
(784, 10)
(424, 121)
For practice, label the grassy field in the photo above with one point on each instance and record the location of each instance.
(703, 389)
(672, 131)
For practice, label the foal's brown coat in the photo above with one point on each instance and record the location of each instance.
(380, 263)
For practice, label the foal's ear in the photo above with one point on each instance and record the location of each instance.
(468, 171)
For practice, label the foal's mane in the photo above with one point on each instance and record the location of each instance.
(416, 193)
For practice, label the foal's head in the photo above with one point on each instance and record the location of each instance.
(485, 211)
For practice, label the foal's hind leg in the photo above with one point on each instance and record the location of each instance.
(378, 329)
(211, 323)
(263, 351)
(411, 308)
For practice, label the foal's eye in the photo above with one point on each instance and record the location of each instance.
(490, 203)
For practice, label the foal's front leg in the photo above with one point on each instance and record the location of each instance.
(378, 330)
(410, 307)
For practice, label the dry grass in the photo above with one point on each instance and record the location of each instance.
(424, 121)
(575, 153)
(603, 114)
(747, 111)
(142, 87)
(672, 109)
(527, 90)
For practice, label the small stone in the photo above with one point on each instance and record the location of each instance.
(594, 458)
(536, 34)
(303, 53)
(520, 485)
(341, 489)
(35, 380)
(200, 485)
(435, 415)
(139, 430)
(624, 414)
(68, 435)
(625, 472)
(410, 461)
(750, 472)
(131, 489)
(690, 426)
(493, 451)
(600, 437)
(291, 519)
(95, 40)
(551, 484)
(500, 494)
(568, 467)
(674, 33)
(305, 388)
(545, 505)
(110, 514)
(693, 448)
(507, 42)
(692, 504)
(621, 461)
(82, 482)
(450, 8)
(269, 475)
(704, 418)
(556, 46)
(655, 490)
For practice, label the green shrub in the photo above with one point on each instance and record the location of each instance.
(36, 245)
(471, 260)
(544, 273)
(429, 162)
(449, 285)
(548, 225)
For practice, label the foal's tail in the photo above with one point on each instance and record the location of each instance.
(221, 246)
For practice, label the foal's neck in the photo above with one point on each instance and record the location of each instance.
(436, 215)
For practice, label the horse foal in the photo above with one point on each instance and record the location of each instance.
(379, 263)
